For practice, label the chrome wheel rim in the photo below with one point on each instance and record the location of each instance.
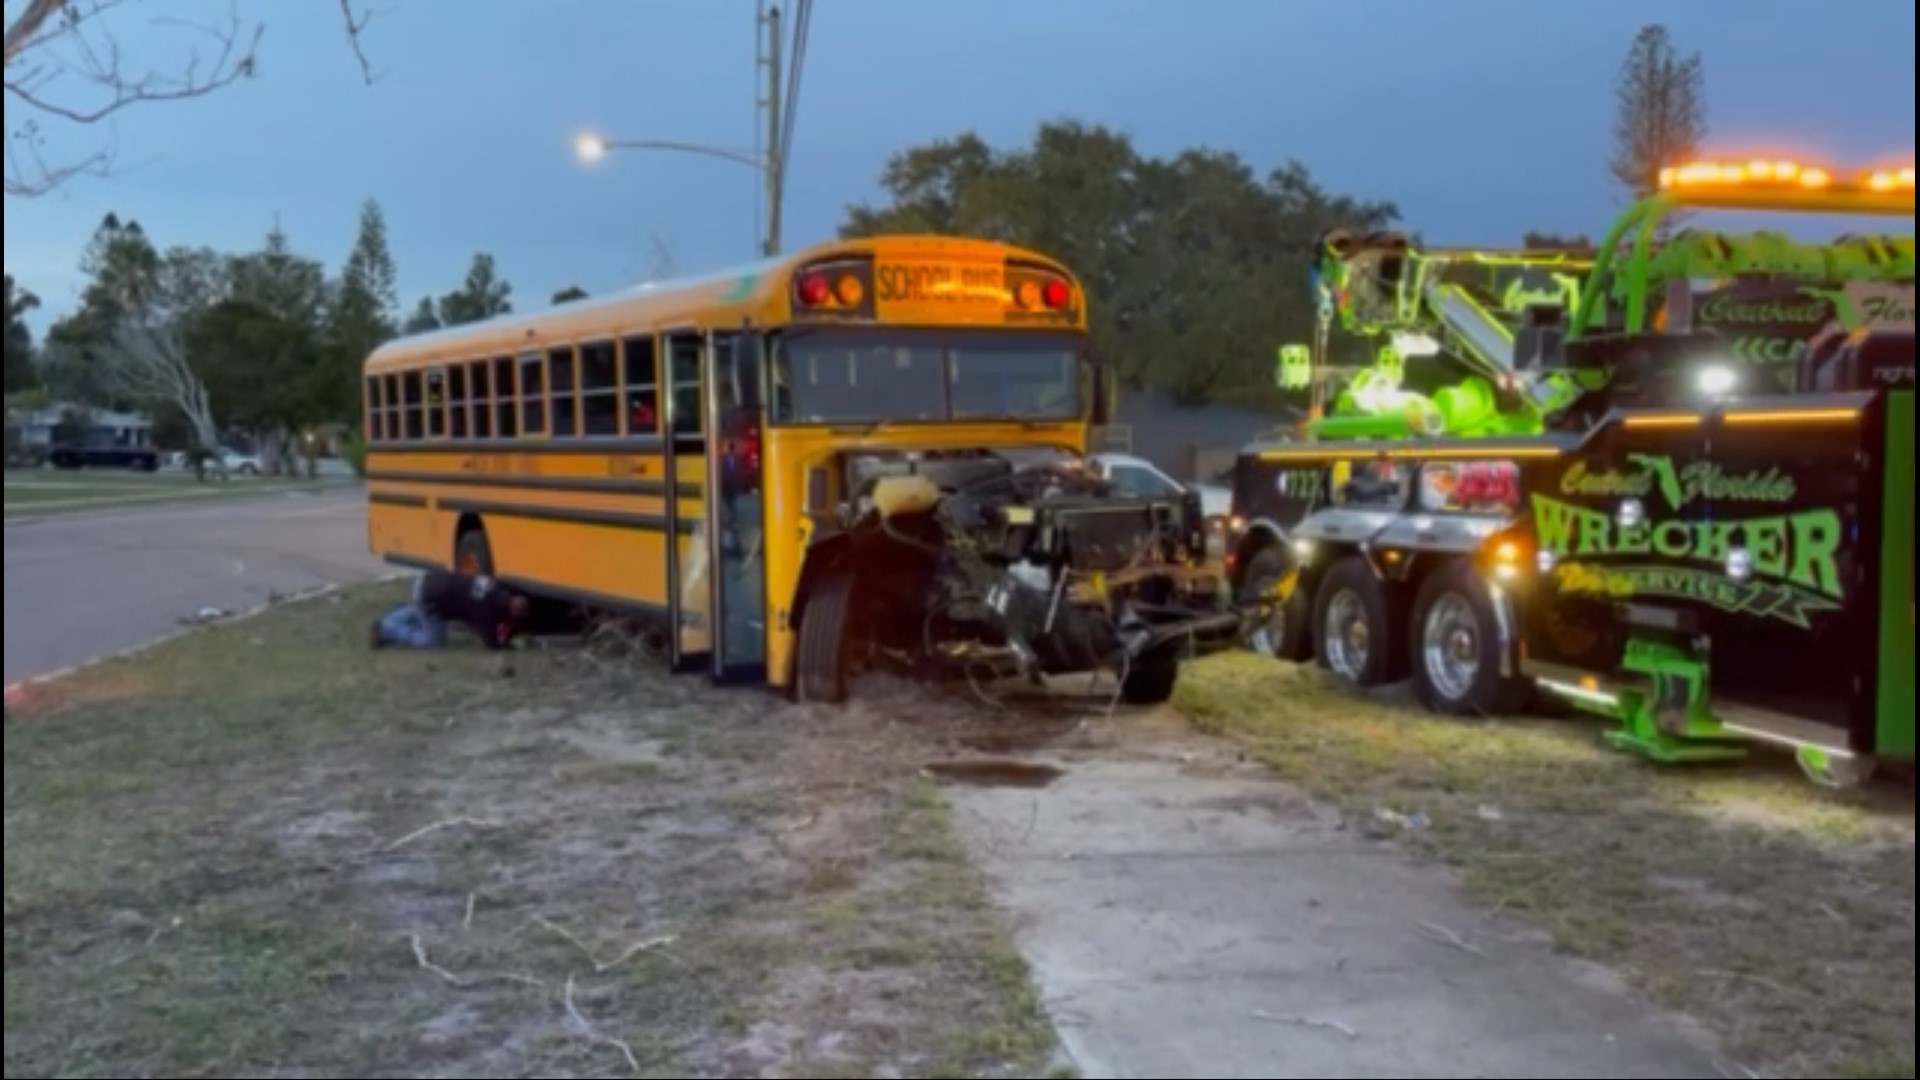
(1349, 635)
(1452, 641)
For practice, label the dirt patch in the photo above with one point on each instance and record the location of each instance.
(1779, 915)
(263, 851)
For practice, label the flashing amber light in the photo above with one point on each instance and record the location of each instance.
(1761, 171)
(1509, 553)
(1816, 179)
(1669, 421)
(850, 291)
(1056, 294)
(1029, 294)
(1590, 683)
(1905, 177)
(814, 290)
(1795, 416)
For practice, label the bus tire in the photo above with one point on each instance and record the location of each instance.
(826, 640)
(473, 554)
(1286, 631)
(1456, 648)
(1152, 679)
(1360, 627)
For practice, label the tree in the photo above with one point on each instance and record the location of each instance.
(424, 320)
(65, 65)
(21, 374)
(1194, 265)
(128, 339)
(362, 316)
(1550, 241)
(485, 295)
(261, 346)
(572, 294)
(1662, 117)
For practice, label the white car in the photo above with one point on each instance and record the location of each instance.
(1139, 477)
(239, 464)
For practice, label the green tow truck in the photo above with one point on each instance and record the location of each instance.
(1668, 481)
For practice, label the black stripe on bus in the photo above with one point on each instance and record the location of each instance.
(567, 516)
(410, 562)
(388, 498)
(579, 485)
(652, 444)
(623, 605)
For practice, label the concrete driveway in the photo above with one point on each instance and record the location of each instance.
(80, 586)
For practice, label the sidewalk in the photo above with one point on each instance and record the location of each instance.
(1190, 916)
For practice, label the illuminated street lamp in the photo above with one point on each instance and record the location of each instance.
(593, 148)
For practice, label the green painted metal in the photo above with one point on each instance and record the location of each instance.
(1896, 711)
(1673, 723)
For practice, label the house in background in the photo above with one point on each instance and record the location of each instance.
(41, 428)
(1189, 443)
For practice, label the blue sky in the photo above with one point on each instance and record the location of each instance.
(1481, 118)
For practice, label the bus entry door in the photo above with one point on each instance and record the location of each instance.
(689, 554)
(736, 506)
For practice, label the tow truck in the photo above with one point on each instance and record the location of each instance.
(1668, 481)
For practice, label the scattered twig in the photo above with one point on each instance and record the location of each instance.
(427, 965)
(473, 904)
(1309, 1022)
(1758, 980)
(592, 1034)
(1447, 937)
(601, 967)
(421, 834)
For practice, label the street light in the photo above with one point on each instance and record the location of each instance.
(593, 148)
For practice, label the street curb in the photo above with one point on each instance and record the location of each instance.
(18, 688)
(21, 521)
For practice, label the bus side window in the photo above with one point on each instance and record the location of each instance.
(375, 418)
(599, 390)
(458, 401)
(506, 399)
(413, 400)
(688, 414)
(533, 396)
(395, 425)
(643, 386)
(565, 387)
(480, 382)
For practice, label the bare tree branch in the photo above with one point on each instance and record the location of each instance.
(64, 63)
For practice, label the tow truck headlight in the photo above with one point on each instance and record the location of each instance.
(1549, 562)
(1719, 380)
(1633, 514)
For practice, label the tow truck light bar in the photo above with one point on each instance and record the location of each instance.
(1709, 174)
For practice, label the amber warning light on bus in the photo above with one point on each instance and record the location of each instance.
(835, 289)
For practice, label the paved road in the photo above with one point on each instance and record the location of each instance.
(80, 586)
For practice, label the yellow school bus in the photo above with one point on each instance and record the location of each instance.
(702, 453)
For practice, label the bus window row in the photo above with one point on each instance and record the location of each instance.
(598, 390)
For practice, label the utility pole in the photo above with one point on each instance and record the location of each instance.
(771, 49)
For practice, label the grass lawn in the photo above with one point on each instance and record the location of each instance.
(43, 493)
(262, 850)
(1779, 915)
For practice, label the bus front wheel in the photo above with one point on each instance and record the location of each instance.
(825, 640)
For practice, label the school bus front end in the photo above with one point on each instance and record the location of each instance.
(927, 501)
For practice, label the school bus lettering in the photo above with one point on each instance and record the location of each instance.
(940, 283)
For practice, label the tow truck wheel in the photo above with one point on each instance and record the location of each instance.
(824, 653)
(1457, 648)
(1360, 638)
(1281, 628)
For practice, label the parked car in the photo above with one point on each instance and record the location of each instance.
(239, 464)
(1140, 477)
(103, 451)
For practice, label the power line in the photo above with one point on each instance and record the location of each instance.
(802, 34)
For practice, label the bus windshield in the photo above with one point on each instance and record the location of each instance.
(926, 376)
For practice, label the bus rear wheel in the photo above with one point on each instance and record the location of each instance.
(473, 555)
(826, 632)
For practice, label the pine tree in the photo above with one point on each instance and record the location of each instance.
(425, 318)
(484, 295)
(1662, 117)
